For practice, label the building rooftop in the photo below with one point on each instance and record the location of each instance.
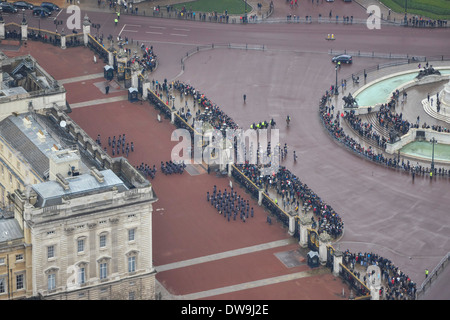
(10, 230)
(34, 141)
(51, 192)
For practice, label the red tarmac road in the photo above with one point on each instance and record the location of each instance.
(383, 211)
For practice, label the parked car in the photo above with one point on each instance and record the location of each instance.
(343, 58)
(7, 7)
(41, 12)
(23, 5)
(50, 6)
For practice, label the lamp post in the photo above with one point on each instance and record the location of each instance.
(245, 17)
(336, 91)
(433, 142)
(406, 11)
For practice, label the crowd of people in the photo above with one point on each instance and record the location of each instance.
(391, 120)
(146, 170)
(230, 204)
(364, 129)
(396, 285)
(294, 193)
(170, 167)
(212, 114)
(117, 146)
(331, 122)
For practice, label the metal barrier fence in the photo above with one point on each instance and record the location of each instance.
(13, 31)
(220, 46)
(264, 17)
(433, 276)
(98, 48)
(213, 17)
(362, 292)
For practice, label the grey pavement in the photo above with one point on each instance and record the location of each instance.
(98, 101)
(81, 78)
(224, 255)
(163, 294)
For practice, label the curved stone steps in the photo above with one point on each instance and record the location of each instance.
(372, 118)
(433, 113)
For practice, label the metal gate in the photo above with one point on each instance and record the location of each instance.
(330, 257)
(313, 240)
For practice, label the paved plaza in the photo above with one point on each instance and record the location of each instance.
(197, 253)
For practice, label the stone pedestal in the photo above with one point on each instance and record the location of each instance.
(111, 56)
(260, 196)
(134, 78)
(86, 30)
(63, 41)
(291, 229)
(444, 95)
(145, 88)
(337, 260)
(324, 241)
(374, 281)
(305, 224)
(2, 29)
(24, 29)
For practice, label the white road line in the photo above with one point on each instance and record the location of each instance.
(58, 13)
(157, 27)
(134, 25)
(153, 32)
(129, 30)
(122, 29)
(177, 34)
(181, 29)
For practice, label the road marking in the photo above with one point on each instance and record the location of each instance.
(134, 25)
(58, 14)
(157, 27)
(181, 29)
(177, 34)
(153, 32)
(129, 30)
(122, 29)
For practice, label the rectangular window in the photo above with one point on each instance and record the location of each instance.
(131, 264)
(103, 270)
(19, 281)
(81, 275)
(80, 245)
(131, 235)
(2, 285)
(102, 241)
(19, 257)
(50, 252)
(51, 282)
(131, 295)
(2, 261)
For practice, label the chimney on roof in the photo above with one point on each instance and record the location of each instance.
(62, 181)
(97, 175)
(41, 135)
(65, 162)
